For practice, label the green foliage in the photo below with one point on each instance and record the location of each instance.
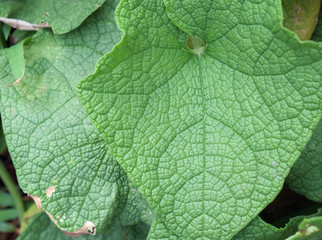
(190, 122)
(8, 214)
(305, 175)
(208, 138)
(6, 200)
(300, 16)
(62, 16)
(43, 228)
(294, 229)
(8, 6)
(6, 227)
(73, 174)
(16, 60)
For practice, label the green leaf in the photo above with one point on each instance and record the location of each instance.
(6, 200)
(305, 175)
(17, 61)
(207, 132)
(60, 158)
(159, 231)
(8, 214)
(2, 38)
(6, 227)
(62, 16)
(136, 210)
(29, 215)
(6, 31)
(42, 228)
(7, 6)
(300, 16)
(309, 226)
(259, 230)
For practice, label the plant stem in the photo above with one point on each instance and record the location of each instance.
(13, 190)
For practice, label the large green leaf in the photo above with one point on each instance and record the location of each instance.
(59, 156)
(42, 228)
(207, 130)
(62, 16)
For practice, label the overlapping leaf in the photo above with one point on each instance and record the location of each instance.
(59, 157)
(62, 16)
(259, 230)
(305, 175)
(42, 228)
(207, 130)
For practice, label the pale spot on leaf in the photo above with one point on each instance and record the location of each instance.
(50, 191)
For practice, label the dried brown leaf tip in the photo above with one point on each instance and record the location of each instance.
(87, 228)
(36, 200)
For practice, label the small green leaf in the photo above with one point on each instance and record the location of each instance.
(6, 227)
(6, 200)
(8, 214)
(300, 16)
(17, 61)
(6, 31)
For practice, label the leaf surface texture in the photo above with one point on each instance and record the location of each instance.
(208, 138)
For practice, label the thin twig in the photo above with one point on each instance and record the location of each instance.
(23, 25)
